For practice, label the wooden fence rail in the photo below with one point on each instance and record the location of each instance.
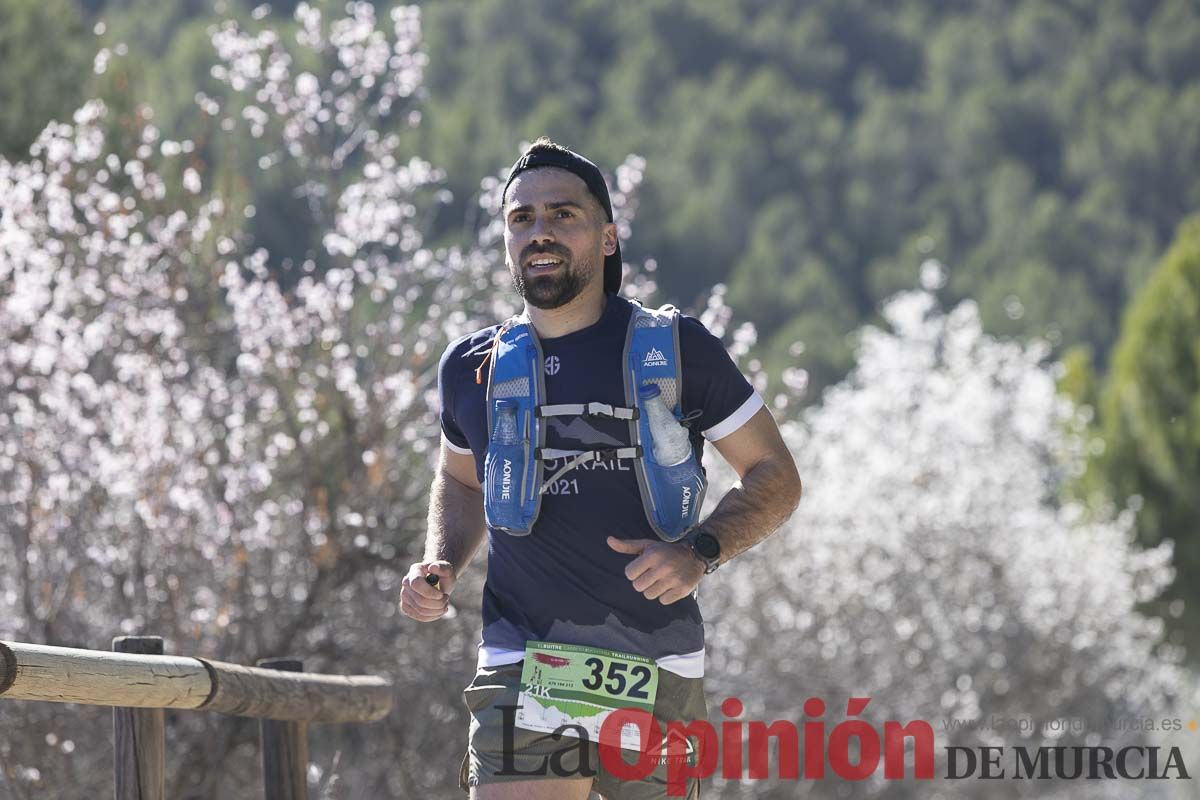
(138, 681)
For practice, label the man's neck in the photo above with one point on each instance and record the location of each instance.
(584, 310)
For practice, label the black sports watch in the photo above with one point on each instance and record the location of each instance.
(707, 548)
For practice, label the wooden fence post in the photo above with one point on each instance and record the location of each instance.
(284, 747)
(139, 738)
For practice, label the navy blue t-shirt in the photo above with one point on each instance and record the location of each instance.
(562, 582)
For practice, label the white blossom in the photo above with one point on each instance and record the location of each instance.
(932, 567)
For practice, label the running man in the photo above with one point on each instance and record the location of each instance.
(592, 576)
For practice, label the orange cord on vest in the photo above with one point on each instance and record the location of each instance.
(488, 356)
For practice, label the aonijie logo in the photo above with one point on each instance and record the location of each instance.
(654, 358)
(687, 501)
(851, 750)
(506, 481)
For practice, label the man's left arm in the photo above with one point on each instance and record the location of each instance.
(768, 490)
(765, 496)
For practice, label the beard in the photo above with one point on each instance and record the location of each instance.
(554, 289)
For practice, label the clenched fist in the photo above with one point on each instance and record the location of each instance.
(666, 572)
(421, 600)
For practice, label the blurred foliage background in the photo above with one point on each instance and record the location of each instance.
(805, 159)
(803, 154)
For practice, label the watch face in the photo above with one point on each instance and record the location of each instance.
(708, 546)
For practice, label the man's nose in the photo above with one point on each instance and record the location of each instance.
(542, 230)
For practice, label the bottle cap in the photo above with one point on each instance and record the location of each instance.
(648, 390)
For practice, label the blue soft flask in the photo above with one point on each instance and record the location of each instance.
(504, 468)
(673, 472)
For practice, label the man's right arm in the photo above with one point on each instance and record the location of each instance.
(455, 531)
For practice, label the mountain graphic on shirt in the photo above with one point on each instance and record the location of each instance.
(581, 432)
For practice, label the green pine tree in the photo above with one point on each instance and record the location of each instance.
(1150, 417)
(45, 51)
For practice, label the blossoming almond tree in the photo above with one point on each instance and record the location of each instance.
(191, 448)
(932, 568)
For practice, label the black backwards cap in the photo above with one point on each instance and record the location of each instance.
(550, 155)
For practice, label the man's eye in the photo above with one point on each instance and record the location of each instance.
(562, 212)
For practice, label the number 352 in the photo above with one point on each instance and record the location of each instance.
(615, 680)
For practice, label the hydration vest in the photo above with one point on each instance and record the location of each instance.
(513, 467)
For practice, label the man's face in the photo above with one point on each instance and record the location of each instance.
(555, 236)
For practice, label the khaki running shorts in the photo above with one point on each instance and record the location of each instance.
(679, 699)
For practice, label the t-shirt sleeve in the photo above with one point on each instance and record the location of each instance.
(449, 373)
(712, 383)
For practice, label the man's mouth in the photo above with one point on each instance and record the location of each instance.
(542, 264)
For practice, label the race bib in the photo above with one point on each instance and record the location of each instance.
(574, 685)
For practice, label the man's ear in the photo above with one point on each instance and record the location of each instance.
(610, 238)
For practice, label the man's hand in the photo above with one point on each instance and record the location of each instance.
(421, 601)
(663, 571)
